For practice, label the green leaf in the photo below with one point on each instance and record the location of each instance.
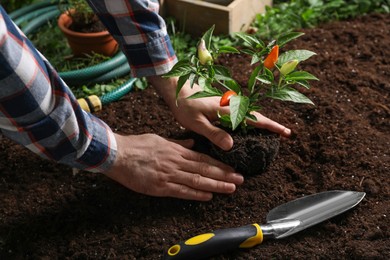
(211, 71)
(207, 36)
(202, 82)
(202, 94)
(270, 45)
(250, 40)
(264, 79)
(194, 59)
(251, 117)
(263, 51)
(303, 83)
(225, 120)
(253, 98)
(180, 83)
(228, 49)
(238, 109)
(181, 68)
(252, 78)
(255, 59)
(254, 108)
(232, 85)
(268, 74)
(248, 51)
(300, 75)
(287, 37)
(288, 94)
(209, 88)
(221, 73)
(299, 55)
(192, 79)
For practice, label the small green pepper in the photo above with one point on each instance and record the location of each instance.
(203, 54)
(288, 67)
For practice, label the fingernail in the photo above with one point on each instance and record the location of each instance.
(230, 187)
(238, 178)
(208, 197)
(287, 132)
(226, 143)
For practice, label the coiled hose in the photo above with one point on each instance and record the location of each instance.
(36, 15)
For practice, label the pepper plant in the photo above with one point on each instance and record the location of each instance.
(83, 13)
(274, 76)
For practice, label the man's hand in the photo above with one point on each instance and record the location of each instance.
(198, 114)
(152, 165)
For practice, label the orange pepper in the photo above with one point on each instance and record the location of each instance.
(272, 58)
(225, 99)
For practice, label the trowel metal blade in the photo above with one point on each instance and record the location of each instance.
(313, 209)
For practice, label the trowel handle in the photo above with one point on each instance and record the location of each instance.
(217, 242)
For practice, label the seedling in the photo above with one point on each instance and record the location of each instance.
(274, 76)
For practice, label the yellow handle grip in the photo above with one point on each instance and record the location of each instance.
(210, 244)
(90, 104)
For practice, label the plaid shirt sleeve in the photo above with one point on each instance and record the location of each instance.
(140, 31)
(39, 111)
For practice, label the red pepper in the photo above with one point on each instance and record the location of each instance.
(225, 99)
(272, 58)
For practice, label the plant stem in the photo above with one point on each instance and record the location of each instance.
(280, 82)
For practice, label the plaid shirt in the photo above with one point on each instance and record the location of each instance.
(39, 111)
(140, 32)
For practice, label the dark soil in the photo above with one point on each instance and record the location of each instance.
(252, 152)
(86, 24)
(343, 142)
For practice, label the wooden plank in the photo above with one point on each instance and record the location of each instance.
(196, 16)
(243, 13)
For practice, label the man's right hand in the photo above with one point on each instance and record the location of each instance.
(152, 165)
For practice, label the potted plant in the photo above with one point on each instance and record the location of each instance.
(84, 31)
(274, 76)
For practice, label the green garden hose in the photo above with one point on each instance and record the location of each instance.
(33, 14)
(31, 8)
(93, 103)
(119, 71)
(89, 73)
(118, 93)
(38, 21)
(37, 14)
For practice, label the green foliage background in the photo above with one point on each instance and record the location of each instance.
(282, 17)
(11, 5)
(296, 14)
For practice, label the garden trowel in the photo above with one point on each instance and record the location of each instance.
(282, 221)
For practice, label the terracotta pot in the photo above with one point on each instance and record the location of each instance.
(87, 43)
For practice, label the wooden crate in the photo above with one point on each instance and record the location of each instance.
(196, 16)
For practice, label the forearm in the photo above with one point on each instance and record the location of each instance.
(39, 111)
(165, 87)
(141, 33)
